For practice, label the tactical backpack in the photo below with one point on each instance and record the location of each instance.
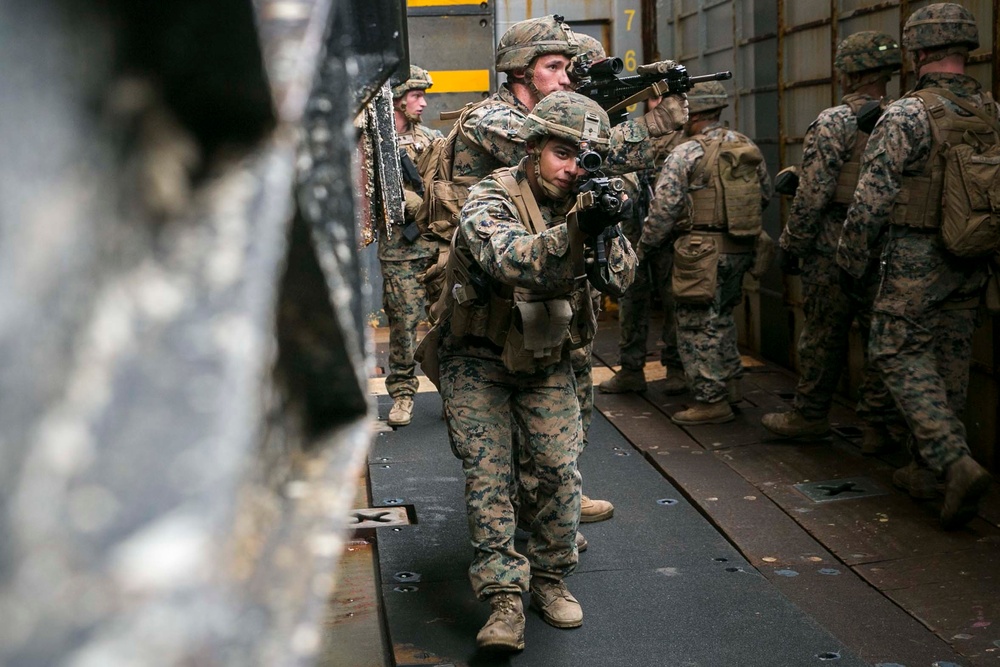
(959, 191)
(732, 199)
(446, 196)
(970, 198)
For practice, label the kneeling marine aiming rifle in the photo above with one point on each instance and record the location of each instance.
(600, 81)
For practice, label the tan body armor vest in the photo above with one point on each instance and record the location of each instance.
(529, 326)
(850, 171)
(731, 200)
(918, 204)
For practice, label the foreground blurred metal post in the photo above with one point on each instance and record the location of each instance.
(182, 360)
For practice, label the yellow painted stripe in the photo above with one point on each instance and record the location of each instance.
(438, 3)
(460, 80)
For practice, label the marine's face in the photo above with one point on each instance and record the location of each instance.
(557, 164)
(550, 74)
(412, 104)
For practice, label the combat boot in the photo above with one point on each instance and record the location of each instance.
(876, 440)
(556, 603)
(918, 481)
(966, 482)
(581, 542)
(626, 380)
(734, 390)
(675, 384)
(401, 412)
(705, 413)
(505, 628)
(793, 425)
(592, 511)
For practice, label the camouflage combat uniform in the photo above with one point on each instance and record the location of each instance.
(404, 297)
(488, 140)
(813, 230)
(652, 276)
(706, 334)
(925, 307)
(483, 400)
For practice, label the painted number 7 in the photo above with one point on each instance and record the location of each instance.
(630, 13)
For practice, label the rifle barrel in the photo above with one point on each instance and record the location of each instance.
(717, 76)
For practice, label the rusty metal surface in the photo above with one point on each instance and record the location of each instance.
(182, 355)
(352, 629)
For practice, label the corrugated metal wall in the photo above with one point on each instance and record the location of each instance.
(781, 52)
(618, 24)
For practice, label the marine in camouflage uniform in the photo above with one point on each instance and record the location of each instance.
(403, 261)
(706, 333)
(925, 308)
(635, 306)
(488, 139)
(485, 397)
(827, 178)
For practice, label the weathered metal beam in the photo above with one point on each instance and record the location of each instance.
(182, 341)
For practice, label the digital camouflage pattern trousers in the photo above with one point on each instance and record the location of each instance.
(483, 404)
(404, 300)
(652, 276)
(706, 333)
(823, 348)
(921, 338)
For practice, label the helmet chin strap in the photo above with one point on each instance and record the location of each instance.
(412, 118)
(551, 190)
(529, 82)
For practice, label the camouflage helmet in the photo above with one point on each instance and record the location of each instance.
(707, 96)
(568, 116)
(940, 25)
(867, 50)
(591, 47)
(526, 40)
(419, 79)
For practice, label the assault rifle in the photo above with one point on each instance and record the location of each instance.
(601, 81)
(605, 197)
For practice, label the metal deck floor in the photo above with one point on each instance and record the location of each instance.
(659, 584)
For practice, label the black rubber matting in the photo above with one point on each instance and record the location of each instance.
(658, 584)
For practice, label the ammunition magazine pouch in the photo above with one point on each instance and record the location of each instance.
(696, 263)
(696, 268)
(489, 319)
(537, 332)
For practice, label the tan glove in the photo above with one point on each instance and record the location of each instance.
(411, 204)
(669, 115)
(659, 67)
